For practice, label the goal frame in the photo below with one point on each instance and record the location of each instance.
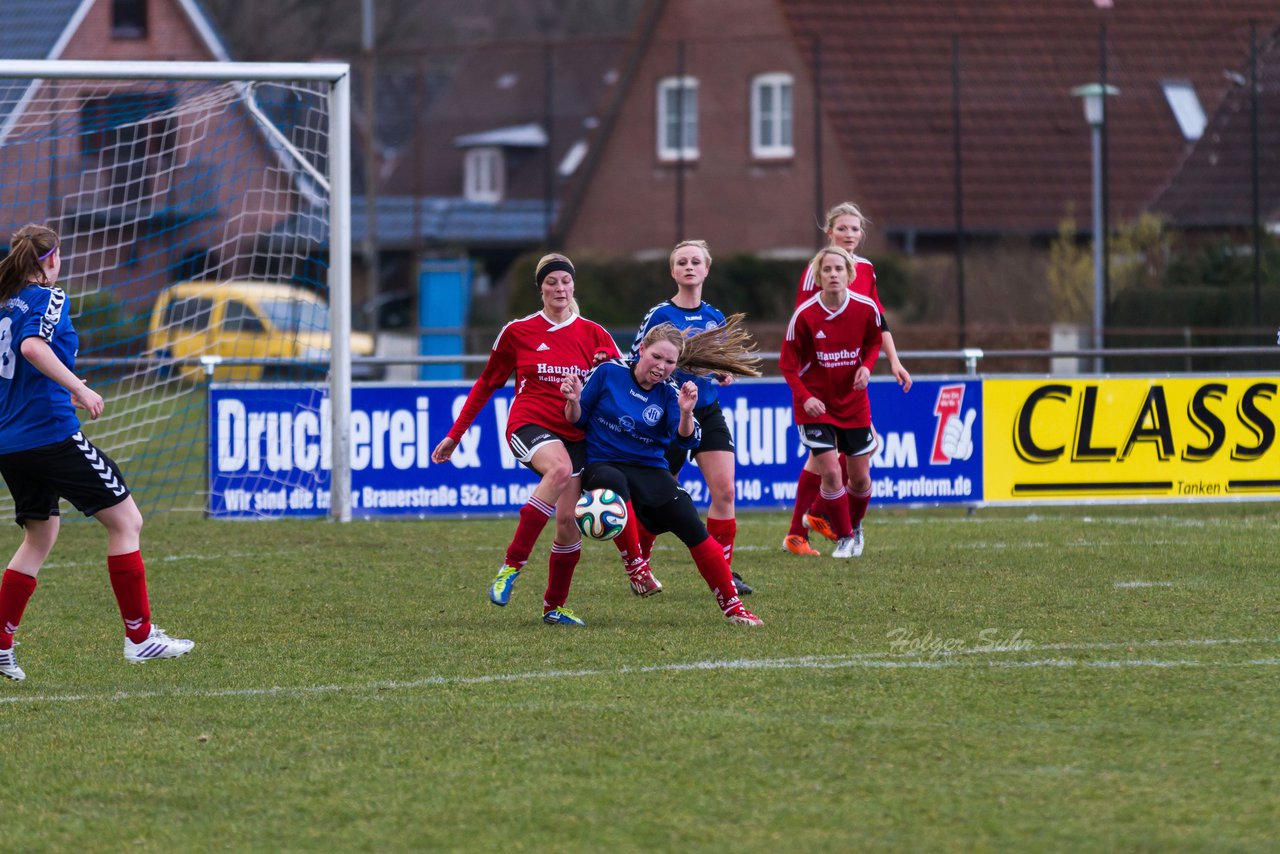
(338, 76)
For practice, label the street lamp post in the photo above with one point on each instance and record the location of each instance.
(1095, 114)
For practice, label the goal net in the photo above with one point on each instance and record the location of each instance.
(196, 205)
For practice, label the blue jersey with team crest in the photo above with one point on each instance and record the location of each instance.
(626, 424)
(689, 321)
(34, 410)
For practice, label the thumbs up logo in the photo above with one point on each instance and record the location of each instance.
(953, 435)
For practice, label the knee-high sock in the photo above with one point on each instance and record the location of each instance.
(836, 508)
(15, 591)
(709, 557)
(628, 542)
(723, 532)
(646, 540)
(560, 574)
(843, 463)
(858, 502)
(129, 583)
(533, 518)
(807, 488)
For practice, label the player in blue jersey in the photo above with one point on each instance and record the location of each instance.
(44, 456)
(690, 263)
(631, 412)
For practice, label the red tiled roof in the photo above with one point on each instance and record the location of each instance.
(887, 86)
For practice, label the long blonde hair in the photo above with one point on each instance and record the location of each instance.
(845, 209)
(28, 248)
(727, 349)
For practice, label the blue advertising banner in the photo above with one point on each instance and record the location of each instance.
(269, 449)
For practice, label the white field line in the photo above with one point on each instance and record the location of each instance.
(101, 563)
(870, 661)
(1123, 584)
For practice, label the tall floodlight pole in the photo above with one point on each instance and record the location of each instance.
(1094, 114)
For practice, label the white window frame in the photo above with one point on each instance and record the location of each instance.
(689, 151)
(484, 174)
(781, 123)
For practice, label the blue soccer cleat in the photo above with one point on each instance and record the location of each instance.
(561, 616)
(503, 583)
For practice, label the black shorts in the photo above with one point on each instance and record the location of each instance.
(657, 499)
(715, 437)
(850, 441)
(525, 442)
(72, 469)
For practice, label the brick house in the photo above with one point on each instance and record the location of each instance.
(145, 188)
(755, 164)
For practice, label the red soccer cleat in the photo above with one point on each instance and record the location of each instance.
(814, 522)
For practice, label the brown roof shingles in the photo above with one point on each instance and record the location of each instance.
(1214, 187)
(887, 71)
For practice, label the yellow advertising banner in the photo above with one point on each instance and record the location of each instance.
(1131, 439)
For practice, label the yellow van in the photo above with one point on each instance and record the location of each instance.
(245, 320)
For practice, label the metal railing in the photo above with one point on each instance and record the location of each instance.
(971, 358)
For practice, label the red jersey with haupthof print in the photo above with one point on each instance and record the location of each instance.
(541, 353)
(821, 354)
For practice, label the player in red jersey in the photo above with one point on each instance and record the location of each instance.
(541, 350)
(831, 345)
(846, 227)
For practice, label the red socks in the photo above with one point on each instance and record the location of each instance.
(807, 488)
(628, 542)
(723, 531)
(835, 507)
(646, 540)
(709, 557)
(858, 502)
(560, 574)
(129, 583)
(533, 518)
(15, 590)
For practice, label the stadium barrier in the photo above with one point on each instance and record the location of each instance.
(966, 441)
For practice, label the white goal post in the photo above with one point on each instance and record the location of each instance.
(156, 173)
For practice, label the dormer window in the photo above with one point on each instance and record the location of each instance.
(484, 176)
(1185, 104)
(485, 163)
(128, 19)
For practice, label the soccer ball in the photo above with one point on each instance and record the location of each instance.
(601, 514)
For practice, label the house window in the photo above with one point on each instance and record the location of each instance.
(483, 178)
(771, 116)
(678, 118)
(128, 19)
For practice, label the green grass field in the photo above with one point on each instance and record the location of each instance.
(1030, 679)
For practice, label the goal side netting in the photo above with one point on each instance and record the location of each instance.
(197, 223)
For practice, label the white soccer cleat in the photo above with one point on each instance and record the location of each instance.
(850, 546)
(157, 645)
(9, 668)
